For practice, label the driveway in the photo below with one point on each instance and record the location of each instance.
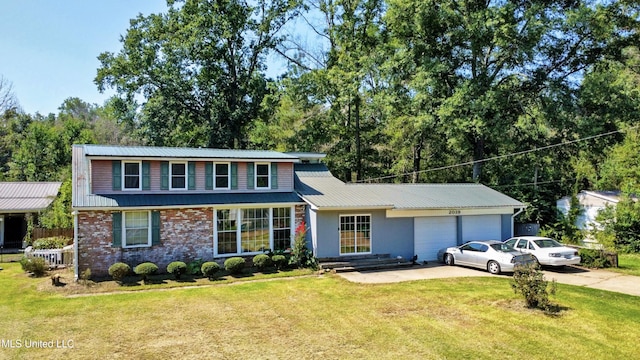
(597, 279)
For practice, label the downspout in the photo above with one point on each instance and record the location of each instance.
(75, 245)
(513, 218)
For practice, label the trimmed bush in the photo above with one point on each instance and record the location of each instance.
(54, 242)
(261, 261)
(280, 261)
(35, 265)
(145, 270)
(210, 269)
(234, 265)
(118, 271)
(177, 268)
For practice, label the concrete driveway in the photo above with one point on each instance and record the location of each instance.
(597, 279)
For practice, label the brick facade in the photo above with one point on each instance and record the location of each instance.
(185, 235)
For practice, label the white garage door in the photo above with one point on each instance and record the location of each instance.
(481, 227)
(431, 234)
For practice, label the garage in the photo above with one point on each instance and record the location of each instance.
(433, 233)
(481, 227)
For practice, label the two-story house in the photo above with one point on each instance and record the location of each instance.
(134, 204)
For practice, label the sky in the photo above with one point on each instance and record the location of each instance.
(49, 48)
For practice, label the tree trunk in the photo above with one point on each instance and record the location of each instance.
(358, 141)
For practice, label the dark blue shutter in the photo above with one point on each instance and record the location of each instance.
(116, 173)
(155, 228)
(191, 170)
(164, 175)
(208, 174)
(116, 229)
(250, 176)
(274, 175)
(234, 176)
(146, 175)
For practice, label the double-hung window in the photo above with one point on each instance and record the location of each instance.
(131, 173)
(178, 176)
(281, 228)
(263, 176)
(136, 228)
(221, 176)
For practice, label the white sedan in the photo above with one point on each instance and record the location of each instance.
(546, 251)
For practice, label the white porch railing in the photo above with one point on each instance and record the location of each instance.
(53, 257)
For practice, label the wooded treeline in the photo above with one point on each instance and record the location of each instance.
(536, 98)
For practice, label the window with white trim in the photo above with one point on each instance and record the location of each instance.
(227, 229)
(131, 175)
(281, 221)
(136, 228)
(263, 176)
(252, 230)
(178, 176)
(355, 234)
(221, 175)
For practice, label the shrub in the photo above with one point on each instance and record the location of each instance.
(210, 269)
(145, 270)
(300, 255)
(261, 261)
(177, 268)
(118, 271)
(234, 265)
(194, 267)
(280, 261)
(85, 276)
(595, 258)
(35, 265)
(54, 242)
(529, 281)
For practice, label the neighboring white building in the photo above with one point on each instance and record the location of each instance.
(591, 202)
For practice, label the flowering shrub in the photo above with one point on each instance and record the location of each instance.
(300, 255)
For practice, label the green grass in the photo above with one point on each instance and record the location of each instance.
(628, 264)
(317, 317)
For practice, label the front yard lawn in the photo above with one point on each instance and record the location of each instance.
(628, 264)
(316, 317)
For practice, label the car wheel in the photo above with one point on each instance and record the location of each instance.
(448, 259)
(536, 262)
(493, 267)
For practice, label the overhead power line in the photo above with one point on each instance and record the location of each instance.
(499, 156)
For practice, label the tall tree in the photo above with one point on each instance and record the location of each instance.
(488, 60)
(199, 68)
(8, 99)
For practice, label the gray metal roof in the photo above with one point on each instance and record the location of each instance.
(318, 187)
(187, 199)
(183, 153)
(27, 196)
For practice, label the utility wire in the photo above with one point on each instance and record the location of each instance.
(499, 156)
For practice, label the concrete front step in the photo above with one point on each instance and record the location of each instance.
(362, 267)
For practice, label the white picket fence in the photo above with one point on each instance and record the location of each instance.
(53, 257)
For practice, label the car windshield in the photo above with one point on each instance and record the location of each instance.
(547, 243)
(502, 247)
